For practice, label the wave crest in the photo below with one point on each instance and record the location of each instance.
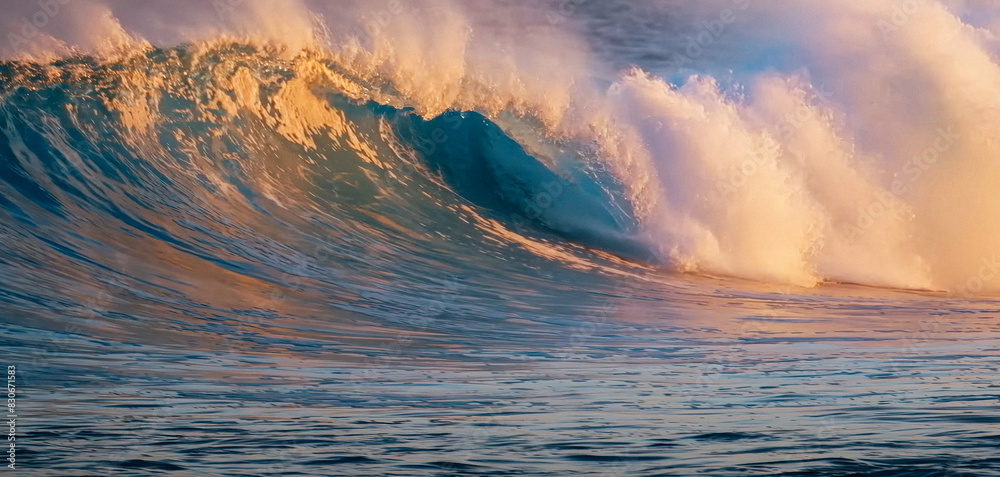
(872, 160)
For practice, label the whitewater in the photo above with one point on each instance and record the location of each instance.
(665, 237)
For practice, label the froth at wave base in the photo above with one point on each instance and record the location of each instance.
(822, 141)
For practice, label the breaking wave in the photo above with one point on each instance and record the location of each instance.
(864, 152)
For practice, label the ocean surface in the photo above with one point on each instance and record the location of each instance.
(670, 238)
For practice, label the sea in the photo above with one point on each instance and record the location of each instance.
(495, 238)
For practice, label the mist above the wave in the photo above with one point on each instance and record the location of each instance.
(865, 151)
(918, 88)
(867, 154)
(437, 55)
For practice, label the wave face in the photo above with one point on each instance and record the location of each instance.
(871, 160)
(275, 170)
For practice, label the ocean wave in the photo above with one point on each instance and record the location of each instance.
(842, 172)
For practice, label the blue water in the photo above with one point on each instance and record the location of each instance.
(191, 291)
